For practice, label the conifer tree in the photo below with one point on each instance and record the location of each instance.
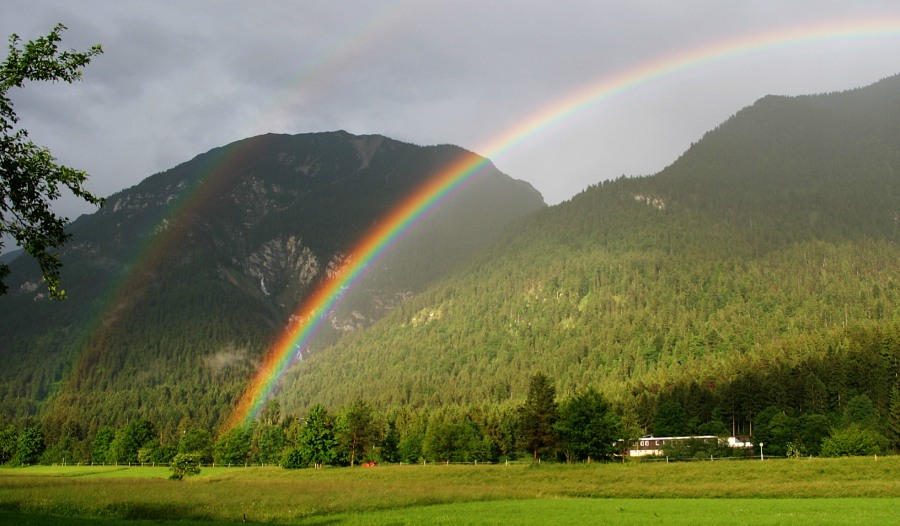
(538, 417)
(357, 432)
(893, 424)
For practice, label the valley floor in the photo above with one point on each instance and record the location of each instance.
(832, 491)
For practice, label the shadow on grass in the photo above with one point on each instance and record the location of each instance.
(133, 513)
(125, 514)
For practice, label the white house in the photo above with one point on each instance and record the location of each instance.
(650, 446)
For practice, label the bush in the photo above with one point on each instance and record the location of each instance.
(185, 465)
(853, 441)
(294, 459)
(410, 448)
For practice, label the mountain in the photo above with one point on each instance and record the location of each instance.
(179, 284)
(758, 270)
(8, 257)
(751, 286)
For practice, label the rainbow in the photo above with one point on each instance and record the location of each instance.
(315, 309)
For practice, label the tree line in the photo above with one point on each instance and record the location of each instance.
(582, 427)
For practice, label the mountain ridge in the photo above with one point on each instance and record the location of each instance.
(751, 285)
(776, 229)
(218, 251)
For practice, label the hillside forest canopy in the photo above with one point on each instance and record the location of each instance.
(749, 289)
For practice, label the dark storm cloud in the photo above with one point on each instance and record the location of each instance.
(179, 78)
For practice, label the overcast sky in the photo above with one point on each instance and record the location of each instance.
(179, 78)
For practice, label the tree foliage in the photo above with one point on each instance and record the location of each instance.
(538, 416)
(893, 420)
(356, 431)
(8, 438)
(317, 441)
(588, 429)
(233, 446)
(670, 420)
(185, 465)
(853, 441)
(135, 436)
(30, 179)
(100, 445)
(29, 445)
(197, 442)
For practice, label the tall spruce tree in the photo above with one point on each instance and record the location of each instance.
(538, 416)
(357, 432)
(893, 424)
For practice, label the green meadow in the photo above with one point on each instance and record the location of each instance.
(811, 491)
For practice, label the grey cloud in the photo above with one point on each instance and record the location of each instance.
(178, 78)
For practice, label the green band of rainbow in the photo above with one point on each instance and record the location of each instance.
(314, 310)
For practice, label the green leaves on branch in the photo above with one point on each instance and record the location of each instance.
(40, 59)
(30, 179)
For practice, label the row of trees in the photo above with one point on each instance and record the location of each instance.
(581, 428)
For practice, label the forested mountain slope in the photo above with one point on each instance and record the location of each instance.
(180, 283)
(762, 268)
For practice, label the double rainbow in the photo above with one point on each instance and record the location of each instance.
(315, 309)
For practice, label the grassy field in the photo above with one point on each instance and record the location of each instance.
(816, 491)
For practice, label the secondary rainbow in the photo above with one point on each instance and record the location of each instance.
(315, 309)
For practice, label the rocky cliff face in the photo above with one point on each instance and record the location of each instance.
(281, 263)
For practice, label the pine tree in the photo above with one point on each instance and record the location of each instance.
(670, 420)
(893, 424)
(357, 432)
(538, 417)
